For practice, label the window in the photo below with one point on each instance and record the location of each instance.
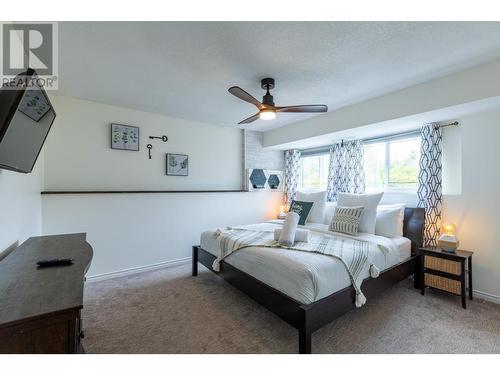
(392, 164)
(314, 172)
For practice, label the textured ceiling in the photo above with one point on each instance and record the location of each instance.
(183, 69)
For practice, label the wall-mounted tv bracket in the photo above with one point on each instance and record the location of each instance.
(164, 138)
(149, 146)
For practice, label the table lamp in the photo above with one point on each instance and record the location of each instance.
(448, 241)
(282, 213)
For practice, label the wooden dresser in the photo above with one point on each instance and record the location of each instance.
(40, 308)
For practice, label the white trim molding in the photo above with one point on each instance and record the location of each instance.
(486, 296)
(134, 270)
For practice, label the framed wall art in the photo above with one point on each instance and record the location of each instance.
(177, 165)
(124, 137)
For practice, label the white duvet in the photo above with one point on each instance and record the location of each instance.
(303, 276)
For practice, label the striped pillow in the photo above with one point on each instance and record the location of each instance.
(346, 220)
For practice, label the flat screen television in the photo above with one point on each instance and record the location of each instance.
(26, 116)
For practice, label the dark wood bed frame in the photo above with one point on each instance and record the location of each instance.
(309, 318)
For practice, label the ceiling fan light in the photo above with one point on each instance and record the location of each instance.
(267, 114)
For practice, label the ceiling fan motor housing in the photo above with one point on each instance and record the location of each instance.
(268, 99)
(267, 84)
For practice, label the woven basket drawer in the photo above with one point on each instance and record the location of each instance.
(443, 265)
(438, 282)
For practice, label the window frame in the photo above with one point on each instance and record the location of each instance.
(312, 153)
(321, 151)
(387, 164)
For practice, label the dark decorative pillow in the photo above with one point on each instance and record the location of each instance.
(301, 208)
(346, 220)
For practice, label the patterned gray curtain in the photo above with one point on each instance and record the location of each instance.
(292, 170)
(346, 173)
(429, 182)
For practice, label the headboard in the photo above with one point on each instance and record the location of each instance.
(413, 227)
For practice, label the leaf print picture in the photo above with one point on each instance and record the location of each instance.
(124, 137)
(177, 165)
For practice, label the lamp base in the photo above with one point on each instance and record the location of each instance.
(448, 243)
(451, 251)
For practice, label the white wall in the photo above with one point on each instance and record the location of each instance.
(136, 230)
(20, 202)
(452, 160)
(78, 153)
(130, 231)
(476, 209)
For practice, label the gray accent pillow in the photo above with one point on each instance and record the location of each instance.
(346, 220)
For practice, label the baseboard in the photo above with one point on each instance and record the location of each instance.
(134, 270)
(487, 296)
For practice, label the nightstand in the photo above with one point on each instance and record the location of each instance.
(446, 271)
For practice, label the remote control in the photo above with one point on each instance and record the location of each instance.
(55, 262)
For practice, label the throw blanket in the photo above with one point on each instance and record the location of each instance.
(352, 253)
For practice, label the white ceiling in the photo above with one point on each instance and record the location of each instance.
(183, 69)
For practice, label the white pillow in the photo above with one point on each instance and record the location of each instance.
(329, 211)
(369, 202)
(389, 221)
(317, 214)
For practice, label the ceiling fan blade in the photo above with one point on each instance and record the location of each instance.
(250, 119)
(303, 108)
(243, 95)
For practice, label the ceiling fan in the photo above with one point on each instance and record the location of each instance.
(267, 109)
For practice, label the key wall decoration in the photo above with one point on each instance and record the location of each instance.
(124, 137)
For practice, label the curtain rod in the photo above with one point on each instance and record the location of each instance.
(322, 149)
(415, 132)
(408, 133)
(445, 125)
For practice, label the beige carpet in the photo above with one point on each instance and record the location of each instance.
(168, 311)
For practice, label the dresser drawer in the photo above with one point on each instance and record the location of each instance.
(55, 333)
(438, 282)
(443, 265)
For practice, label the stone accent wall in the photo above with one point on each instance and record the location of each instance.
(255, 156)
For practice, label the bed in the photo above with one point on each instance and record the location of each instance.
(310, 290)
